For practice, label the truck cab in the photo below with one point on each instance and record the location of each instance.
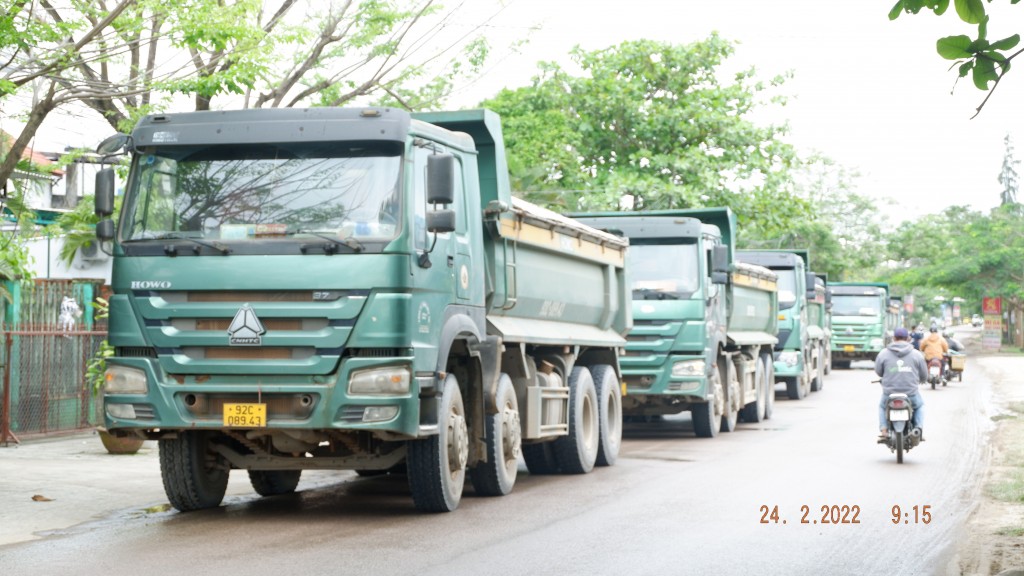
(799, 354)
(703, 323)
(860, 321)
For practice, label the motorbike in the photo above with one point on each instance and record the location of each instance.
(899, 414)
(935, 376)
(955, 363)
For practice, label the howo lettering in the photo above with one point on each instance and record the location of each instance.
(354, 289)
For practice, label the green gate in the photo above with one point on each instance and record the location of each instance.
(45, 355)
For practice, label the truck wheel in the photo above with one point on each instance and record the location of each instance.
(707, 416)
(732, 387)
(504, 437)
(609, 414)
(769, 384)
(795, 387)
(821, 370)
(437, 465)
(274, 482)
(540, 458)
(828, 360)
(577, 452)
(195, 477)
(754, 411)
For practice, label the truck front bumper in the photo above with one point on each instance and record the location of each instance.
(291, 402)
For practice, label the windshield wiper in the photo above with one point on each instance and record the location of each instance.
(652, 294)
(350, 242)
(172, 250)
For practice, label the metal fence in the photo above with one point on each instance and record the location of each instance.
(45, 355)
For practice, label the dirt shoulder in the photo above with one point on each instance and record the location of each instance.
(993, 539)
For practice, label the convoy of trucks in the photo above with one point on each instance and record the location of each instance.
(861, 322)
(800, 353)
(358, 289)
(704, 323)
(354, 289)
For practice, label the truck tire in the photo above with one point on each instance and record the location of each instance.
(732, 387)
(437, 465)
(828, 360)
(577, 452)
(609, 414)
(274, 482)
(504, 439)
(819, 371)
(194, 476)
(754, 411)
(795, 387)
(540, 458)
(769, 381)
(707, 416)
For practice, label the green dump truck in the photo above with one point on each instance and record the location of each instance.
(354, 289)
(860, 321)
(800, 353)
(704, 324)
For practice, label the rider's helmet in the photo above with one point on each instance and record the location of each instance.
(934, 328)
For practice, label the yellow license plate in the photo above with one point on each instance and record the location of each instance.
(848, 348)
(245, 415)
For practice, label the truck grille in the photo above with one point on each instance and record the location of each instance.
(304, 332)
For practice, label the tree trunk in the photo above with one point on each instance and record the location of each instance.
(35, 119)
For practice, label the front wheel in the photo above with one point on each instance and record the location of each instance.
(769, 385)
(609, 414)
(707, 416)
(437, 465)
(732, 398)
(195, 477)
(755, 411)
(577, 452)
(497, 476)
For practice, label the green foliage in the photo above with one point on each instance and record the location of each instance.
(962, 252)
(79, 227)
(649, 125)
(95, 370)
(986, 61)
(841, 228)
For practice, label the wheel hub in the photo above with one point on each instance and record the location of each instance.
(511, 436)
(458, 442)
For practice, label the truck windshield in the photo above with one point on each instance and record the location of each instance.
(853, 305)
(246, 192)
(787, 287)
(663, 271)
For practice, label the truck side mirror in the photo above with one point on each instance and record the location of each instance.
(719, 264)
(811, 281)
(105, 230)
(441, 221)
(104, 199)
(441, 179)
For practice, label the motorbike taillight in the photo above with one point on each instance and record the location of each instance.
(898, 403)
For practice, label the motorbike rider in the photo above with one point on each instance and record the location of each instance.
(916, 336)
(934, 346)
(954, 344)
(902, 370)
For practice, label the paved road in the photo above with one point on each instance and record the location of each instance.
(673, 504)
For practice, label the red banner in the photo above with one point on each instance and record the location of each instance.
(991, 305)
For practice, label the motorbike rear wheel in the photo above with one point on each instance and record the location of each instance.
(899, 447)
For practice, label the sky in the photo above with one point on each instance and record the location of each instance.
(870, 93)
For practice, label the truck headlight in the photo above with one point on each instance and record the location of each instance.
(689, 368)
(124, 380)
(876, 343)
(379, 381)
(790, 358)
